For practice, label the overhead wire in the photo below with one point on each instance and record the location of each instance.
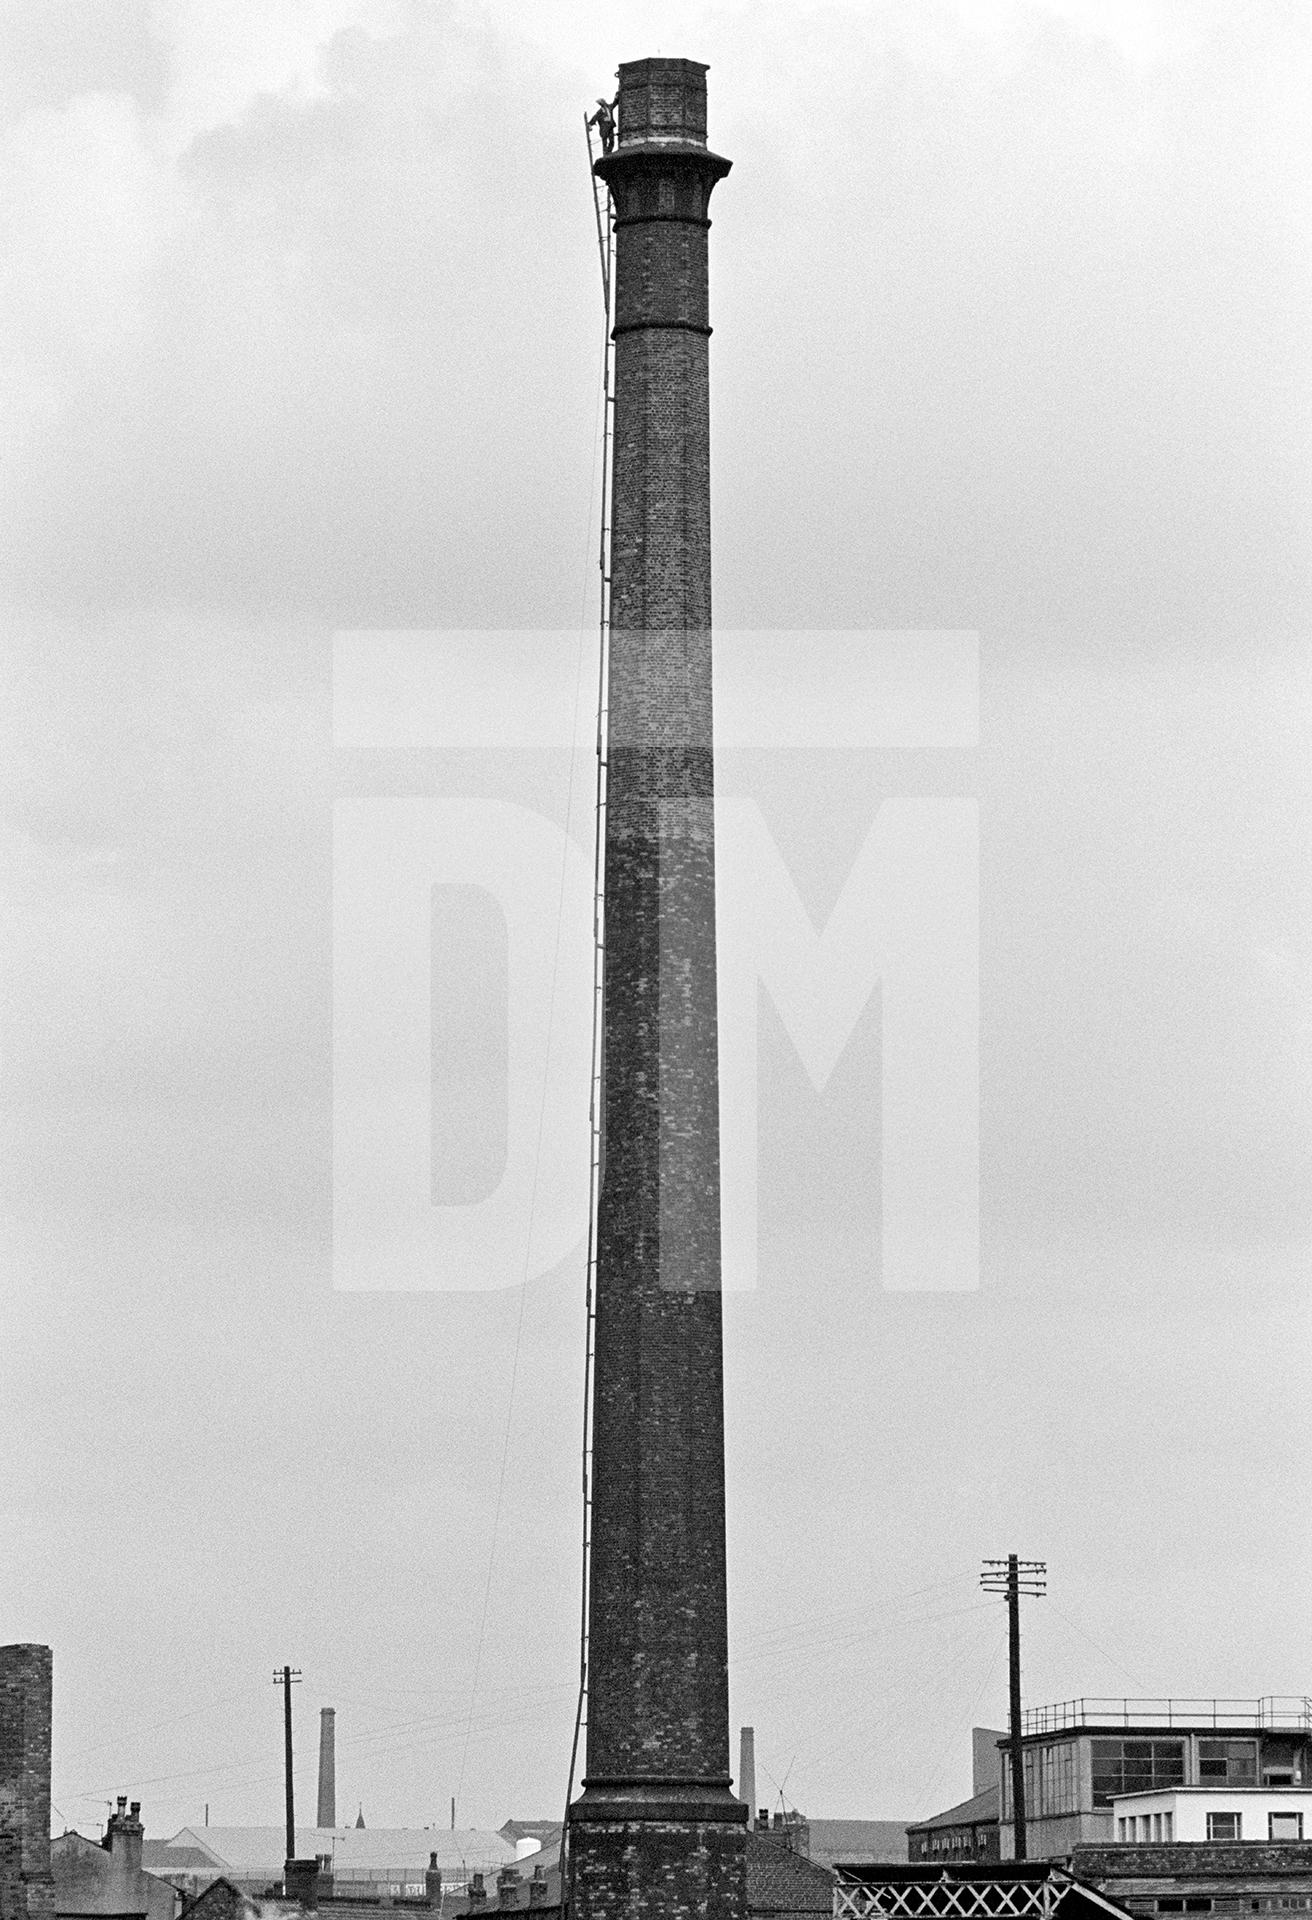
(596, 1148)
(542, 1109)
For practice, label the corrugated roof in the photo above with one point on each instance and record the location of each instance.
(982, 1806)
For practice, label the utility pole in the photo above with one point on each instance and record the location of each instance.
(1012, 1577)
(284, 1677)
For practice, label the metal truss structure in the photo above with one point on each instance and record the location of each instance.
(956, 1895)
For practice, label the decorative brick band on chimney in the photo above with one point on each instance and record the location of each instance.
(26, 1886)
(657, 1828)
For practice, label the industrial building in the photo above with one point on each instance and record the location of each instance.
(968, 1831)
(1081, 1756)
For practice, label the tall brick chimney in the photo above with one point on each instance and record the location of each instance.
(26, 1887)
(656, 1828)
(327, 1811)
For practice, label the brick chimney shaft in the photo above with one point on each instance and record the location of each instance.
(656, 1792)
(26, 1886)
(327, 1809)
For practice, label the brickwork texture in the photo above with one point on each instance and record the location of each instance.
(26, 1887)
(656, 1830)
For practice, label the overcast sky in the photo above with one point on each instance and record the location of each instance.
(301, 336)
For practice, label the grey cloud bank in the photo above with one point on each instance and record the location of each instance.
(302, 325)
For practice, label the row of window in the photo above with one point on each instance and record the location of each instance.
(1155, 1827)
(1127, 1766)
(1285, 1903)
(1152, 1827)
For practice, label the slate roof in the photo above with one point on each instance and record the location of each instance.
(161, 1856)
(967, 1813)
(783, 1884)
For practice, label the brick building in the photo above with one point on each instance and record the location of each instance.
(105, 1879)
(968, 1831)
(1243, 1877)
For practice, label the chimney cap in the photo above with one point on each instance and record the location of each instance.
(662, 103)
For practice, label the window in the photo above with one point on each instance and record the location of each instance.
(1049, 1780)
(1135, 1766)
(1168, 1826)
(1284, 1826)
(1224, 1826)
(1231, 1762)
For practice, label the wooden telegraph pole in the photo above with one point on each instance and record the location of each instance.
(1012, 1577)
(284, 1677)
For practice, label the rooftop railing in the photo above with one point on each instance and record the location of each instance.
(1272, 1712)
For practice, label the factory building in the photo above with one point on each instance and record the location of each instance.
(1081, 1756)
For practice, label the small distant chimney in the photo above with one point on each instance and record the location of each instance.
(433, 1882)
(477, 1891)
(747, 1770)
(537, 1887)
(507, 1888)
(327, 1767)
(763, 1820)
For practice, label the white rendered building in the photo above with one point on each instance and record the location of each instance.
(1199, 1814)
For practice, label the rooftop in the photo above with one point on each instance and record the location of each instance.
(1270, 1712)
(981, 1806)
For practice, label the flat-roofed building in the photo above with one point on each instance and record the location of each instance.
(1195, 1814)
(1081, 1756)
